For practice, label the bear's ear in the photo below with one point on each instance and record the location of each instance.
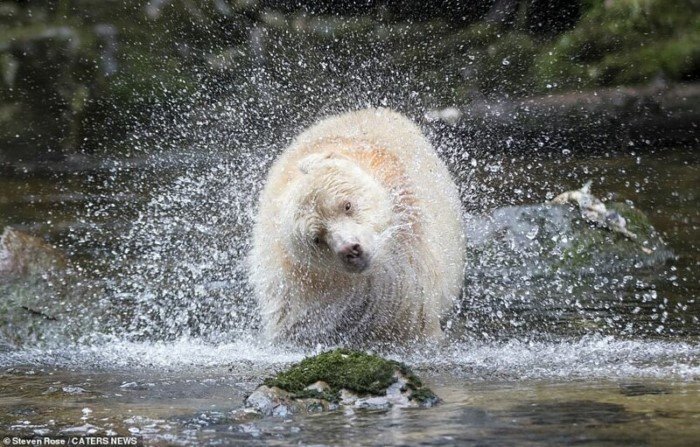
(313, 161)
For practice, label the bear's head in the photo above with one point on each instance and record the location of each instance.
(339, 215)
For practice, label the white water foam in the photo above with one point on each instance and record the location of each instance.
(585, 358)
(180, 354)
(591, 357)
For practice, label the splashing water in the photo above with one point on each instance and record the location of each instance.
(160, 312)
(167, 261)
(174, 288)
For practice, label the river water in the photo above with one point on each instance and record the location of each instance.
(171, 347)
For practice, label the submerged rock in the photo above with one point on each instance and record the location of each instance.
(338, 379)
(634, 389)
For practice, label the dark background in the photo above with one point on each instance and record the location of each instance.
(78, 76)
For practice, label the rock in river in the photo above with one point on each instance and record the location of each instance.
(557, 239)
(339, 379)
(39, 297)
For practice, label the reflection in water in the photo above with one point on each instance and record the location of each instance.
(193, 406)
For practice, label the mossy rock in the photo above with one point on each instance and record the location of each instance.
(637, 221)
(341, 378)
(364, 374)
(596, 246)
(546, 240)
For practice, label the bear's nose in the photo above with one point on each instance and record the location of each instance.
(351, 251)
(354, 257)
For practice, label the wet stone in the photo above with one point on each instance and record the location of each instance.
(553, 239)
(41, 294)
(334, 380)
(23, 255)
(641, 389)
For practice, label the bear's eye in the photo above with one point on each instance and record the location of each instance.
(317, 236)
(347, 206)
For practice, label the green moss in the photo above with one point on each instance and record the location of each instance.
(580, 254)
(637, 221)
(594, 243)
(625, 42)
(424, 395)
(356, 371)
(362, 373)
(676, 59)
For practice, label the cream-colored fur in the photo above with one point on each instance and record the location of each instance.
(369, 178)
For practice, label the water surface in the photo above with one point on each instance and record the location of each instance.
(167, 242)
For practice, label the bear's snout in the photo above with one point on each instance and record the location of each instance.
(353, 256)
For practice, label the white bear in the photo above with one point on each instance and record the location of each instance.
(358, 236)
